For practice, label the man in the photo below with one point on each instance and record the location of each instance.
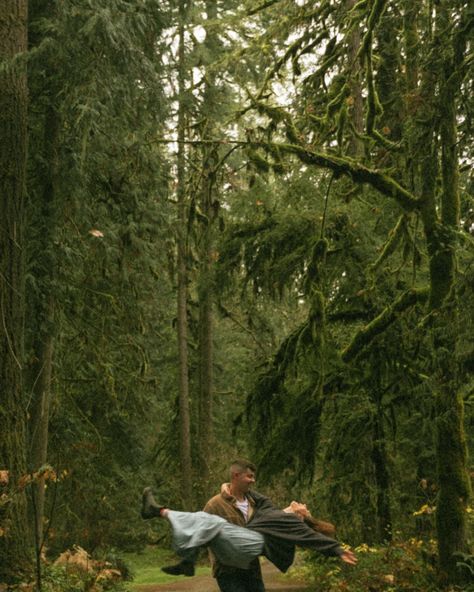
(237, 506)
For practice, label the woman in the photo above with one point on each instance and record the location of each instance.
(271, 532)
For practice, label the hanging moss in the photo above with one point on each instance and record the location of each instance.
(378, 8)
(338, 101)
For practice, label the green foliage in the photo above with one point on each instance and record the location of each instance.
(404, 566)
(98, 227)
(58, 578)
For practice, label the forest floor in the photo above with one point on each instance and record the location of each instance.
(274, 582)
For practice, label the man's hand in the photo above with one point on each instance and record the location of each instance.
(349, 557)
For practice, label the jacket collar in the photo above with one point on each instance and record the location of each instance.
(225, 492)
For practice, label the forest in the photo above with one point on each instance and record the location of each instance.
(237, 229)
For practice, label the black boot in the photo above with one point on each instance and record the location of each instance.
(150, 509)
(183, 568)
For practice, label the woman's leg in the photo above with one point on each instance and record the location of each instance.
(191, 530)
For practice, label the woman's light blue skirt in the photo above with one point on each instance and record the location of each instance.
(232, 545)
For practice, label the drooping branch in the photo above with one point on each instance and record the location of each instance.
(367, 334)
(290, 53)
(262, 6)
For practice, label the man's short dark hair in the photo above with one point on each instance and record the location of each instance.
(240, 465)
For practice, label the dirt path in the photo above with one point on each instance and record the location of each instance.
(274, 582)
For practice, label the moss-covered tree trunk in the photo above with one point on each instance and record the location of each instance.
(14, 539)
(440, 229)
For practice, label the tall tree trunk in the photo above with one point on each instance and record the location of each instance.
(387, 77)
(206, 330)
(14, 539)
(184, 413)
(379, 454)
(206, 414)
(453, 479)
(40, 372)
(440, 230)
(411, 43)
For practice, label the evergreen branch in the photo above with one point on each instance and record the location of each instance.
(325, 66)
(377, 326)
(295, 50)
(290, 52)
(347, 315)
(357, 172)
(263, 6)
(228, 314)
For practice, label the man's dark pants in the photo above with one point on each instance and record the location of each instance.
(240, 580)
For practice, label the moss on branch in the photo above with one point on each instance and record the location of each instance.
(367, 334)
(391, 244)
(357, 172)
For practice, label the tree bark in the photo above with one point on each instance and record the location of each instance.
(206, 414)
(182, 312)
(453, 479)
(382, 475)
(206, 323)
(440, 230)
(40, 372)
(14, 538)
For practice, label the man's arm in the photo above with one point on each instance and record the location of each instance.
(262, 502)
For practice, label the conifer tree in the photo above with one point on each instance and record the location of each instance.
(14, 532)
(182, 296)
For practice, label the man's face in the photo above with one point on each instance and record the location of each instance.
(243, 481)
